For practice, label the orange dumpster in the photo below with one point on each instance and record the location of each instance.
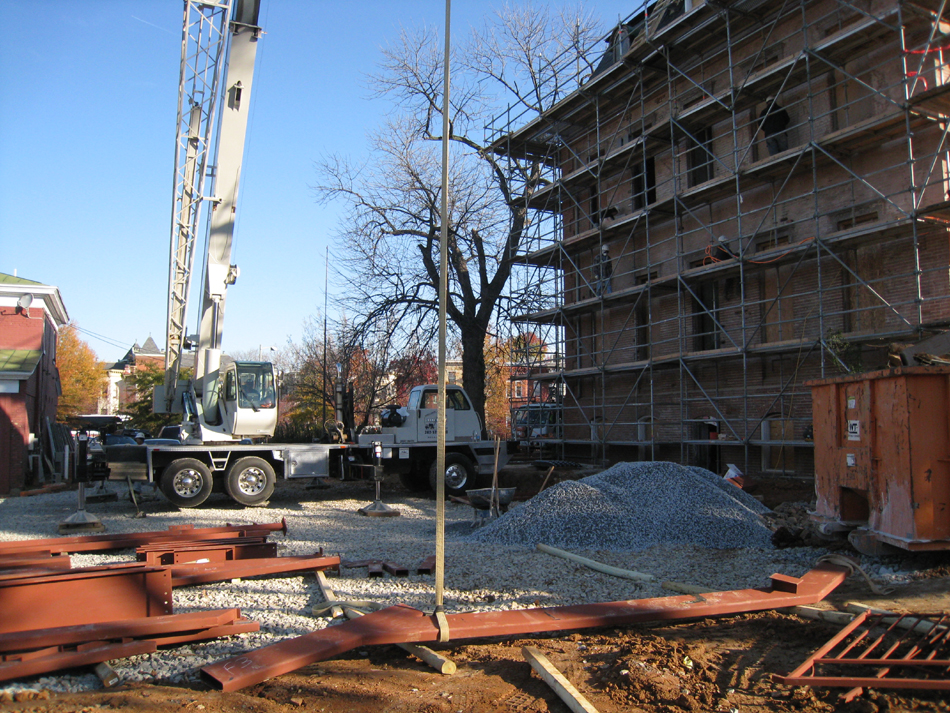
(882, 456)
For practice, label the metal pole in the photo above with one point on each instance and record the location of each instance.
(443, 296)
(326, 283)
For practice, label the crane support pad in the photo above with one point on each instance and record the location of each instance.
(402, 624)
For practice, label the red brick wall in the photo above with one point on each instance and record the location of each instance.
(14, 435)
(26, 412)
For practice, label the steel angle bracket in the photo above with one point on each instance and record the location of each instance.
(401, 624)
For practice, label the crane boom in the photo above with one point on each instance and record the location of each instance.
(203, 48)
(219, 49)
(219, 272)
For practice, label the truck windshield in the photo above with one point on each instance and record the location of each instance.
(454, 399)
(256, 386)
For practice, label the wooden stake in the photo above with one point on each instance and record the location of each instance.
(550, 470)
(335, 611)
(556, 680)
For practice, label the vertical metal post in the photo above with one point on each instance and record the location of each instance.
(443, 296)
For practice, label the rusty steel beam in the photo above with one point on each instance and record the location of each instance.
(15, 564)
(98, 543)
(144, 627)
(12, 667)
(401, 624)
(426, 566)
(184, 575)
(14, 556)
(239, 626)
(83, 596)
(238, 548)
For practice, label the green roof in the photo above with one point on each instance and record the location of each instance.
(19, 360)
(6, 279)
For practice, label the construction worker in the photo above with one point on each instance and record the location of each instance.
(602, 272)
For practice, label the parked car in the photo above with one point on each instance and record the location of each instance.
(111, 440)
(171, 432)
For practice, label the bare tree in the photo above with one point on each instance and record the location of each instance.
(390, 238)
(360, 358)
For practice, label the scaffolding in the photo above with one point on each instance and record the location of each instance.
(741, 197)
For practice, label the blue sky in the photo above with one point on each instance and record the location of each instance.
(88, 101)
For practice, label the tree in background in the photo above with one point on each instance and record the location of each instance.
(81, 376)
(360, 359)
(390, 243)
(497, 382)
(141, 384)
(508, 362)
(416, 366)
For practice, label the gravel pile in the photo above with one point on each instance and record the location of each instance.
(480, 575)
(633, 506)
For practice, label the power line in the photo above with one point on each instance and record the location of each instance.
(107, 340)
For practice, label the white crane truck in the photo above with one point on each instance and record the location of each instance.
(226, 406)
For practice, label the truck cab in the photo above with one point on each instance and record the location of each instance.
(249, 406)
(461, 421)
(408, 436)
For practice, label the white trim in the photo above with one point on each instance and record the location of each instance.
(50, 299)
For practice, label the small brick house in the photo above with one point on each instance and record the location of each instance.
(31, 315)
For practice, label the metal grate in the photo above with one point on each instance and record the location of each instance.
(882, 651)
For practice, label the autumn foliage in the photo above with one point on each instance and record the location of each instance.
(80, 374)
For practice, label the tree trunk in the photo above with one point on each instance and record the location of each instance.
(473, 367)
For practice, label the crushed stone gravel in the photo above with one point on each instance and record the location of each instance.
(633, 506)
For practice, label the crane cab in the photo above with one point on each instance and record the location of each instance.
(249, 403)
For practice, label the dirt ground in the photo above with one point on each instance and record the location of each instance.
(726, 664)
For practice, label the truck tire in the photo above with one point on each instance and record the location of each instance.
(186, 482)
(250, 481)
(459, 474)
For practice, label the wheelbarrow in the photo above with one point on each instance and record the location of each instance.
(489, 503)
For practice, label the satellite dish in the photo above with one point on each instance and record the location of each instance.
(24, 302)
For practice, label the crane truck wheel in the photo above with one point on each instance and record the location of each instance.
(187, 482)
(250, 481)
(459, 474)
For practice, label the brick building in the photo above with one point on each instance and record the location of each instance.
(118, 391)
(31, 314)
(740, 197)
